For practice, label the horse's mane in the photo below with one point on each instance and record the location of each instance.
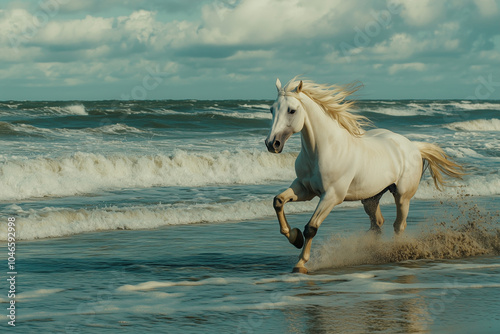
(332, 99)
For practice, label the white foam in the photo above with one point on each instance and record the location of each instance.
(84, 173)
(118, 128)
(25, 128)
(396, 111)
(76, 109)
(210, 111)
(318, 278)
(249, 115)
(255, 106)
(57, 222)
(468, 105)
(36, 294)
(152, 285)
(412, 109)
(441, 108)
(463, 152)
(475, 125)
(476, 185)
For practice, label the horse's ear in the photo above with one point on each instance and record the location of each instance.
(278, 84)
(299, 87)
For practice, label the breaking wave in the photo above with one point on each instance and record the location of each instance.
(83, 173)
(255, 106)
(76, 109)
(476, 125)
(30, 130)
(58, 222)
(86, 173)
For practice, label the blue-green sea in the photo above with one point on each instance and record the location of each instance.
(156, 217)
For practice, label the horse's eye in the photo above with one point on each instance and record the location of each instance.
(291, 111)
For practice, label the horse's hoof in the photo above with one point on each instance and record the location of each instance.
(299, 238)
(377, 231)
(300, 270)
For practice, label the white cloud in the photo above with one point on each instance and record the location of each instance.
(257, 54)
(114, 41)
(487, 8)
(265, 22)
(422, 12)
(90, 31)
(419, 67)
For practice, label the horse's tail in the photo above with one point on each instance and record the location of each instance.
(439, 163)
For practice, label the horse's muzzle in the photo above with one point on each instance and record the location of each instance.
(274, 146)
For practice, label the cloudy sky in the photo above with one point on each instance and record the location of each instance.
(229, 49)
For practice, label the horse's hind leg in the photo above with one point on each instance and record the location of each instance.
(402, 207)
(372, 209)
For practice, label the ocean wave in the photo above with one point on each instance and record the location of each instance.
(32, 111)
(115, 129)
(409, 109)
(58, 222)
(213, 111)
(86, 173)
(83, 173)
(403, 111)
(475, 125)
(247, 115)
(75, 109)
(468, 105)
(26, 129)
(427, 108)
(12, 106)
(30, 130)
(474, 185)
(392, 111)
(208, 112)
(255, 106)
(52, 222)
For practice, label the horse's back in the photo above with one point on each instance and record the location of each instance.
(387, 157)
(388, 139)
(406, 155)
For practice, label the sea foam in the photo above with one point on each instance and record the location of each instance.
(58, 222)
(476, 125)
(75, 109)
(87, 173)
(84, 173)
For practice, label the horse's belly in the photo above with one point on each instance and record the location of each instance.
(371, 182)
(357, 194)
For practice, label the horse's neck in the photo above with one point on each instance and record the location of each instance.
(319, 130)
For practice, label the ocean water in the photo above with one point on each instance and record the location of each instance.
(156, 216)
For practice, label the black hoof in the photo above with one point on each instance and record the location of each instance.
(299, 270)
(375, 231)
(299, 238)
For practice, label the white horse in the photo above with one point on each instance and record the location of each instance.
(340, 162)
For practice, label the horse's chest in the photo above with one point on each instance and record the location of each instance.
(309, 176)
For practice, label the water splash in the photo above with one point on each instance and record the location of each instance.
(464, 230)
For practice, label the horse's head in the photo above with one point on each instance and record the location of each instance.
(288, 117)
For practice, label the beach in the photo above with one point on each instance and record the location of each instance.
(156, 216)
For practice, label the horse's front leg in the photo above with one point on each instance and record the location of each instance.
(295, 193)
(325, 205)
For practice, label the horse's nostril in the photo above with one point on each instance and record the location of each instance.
(277, 144)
